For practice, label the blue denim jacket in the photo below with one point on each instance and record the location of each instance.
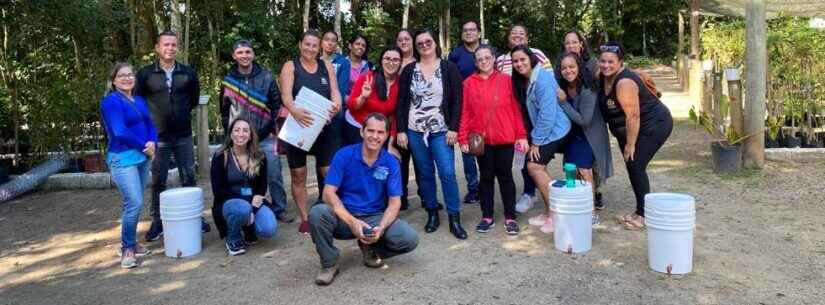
(549, 121)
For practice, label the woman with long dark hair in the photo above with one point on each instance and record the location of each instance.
(132, 137)
(588, 146)
(491, 111)
(429, 107)
(309, 71)
(638, 120)
(238, 173)
(375, 91)
(536, 89)
(574, 42)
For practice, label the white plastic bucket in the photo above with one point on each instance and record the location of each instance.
(572, 217)
(180, 211)
(670, 219)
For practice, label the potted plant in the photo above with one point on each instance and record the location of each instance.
(773, 127)
(726, 144)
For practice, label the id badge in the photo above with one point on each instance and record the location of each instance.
(246, 191)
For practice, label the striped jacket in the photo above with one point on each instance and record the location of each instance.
(254, 96)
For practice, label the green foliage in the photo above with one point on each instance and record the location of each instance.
(643, 61)
(796, 54)
(725, 135)
(56, 55)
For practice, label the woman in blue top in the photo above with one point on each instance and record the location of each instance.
(132, 138)
(547, 125)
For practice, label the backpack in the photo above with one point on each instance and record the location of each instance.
(648, 81)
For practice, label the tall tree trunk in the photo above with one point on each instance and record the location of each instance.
(444, 27)
(481, 19)
(174, 17)
(337, 25)
(405, 19)
(145, 14)
(130, 4)
(9, 79)
(306, 15)
(644, 38)
(156, 10)
(188, 15)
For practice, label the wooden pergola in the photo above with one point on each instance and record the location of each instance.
(756, 12)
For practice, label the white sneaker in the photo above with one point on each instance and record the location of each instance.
(525, 203)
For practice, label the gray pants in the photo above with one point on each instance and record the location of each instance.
(324, 225)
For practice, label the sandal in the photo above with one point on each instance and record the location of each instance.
(622, 219)
(635, 224)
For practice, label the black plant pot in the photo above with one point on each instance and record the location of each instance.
(4, 174)
(772, 143)
(726, 158)
(793, 142)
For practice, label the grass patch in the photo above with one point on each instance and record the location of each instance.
(695, 171)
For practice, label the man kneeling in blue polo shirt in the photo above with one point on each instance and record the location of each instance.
(362, 195)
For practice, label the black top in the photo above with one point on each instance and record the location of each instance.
(170, 107)
(318, 81)
(451, 105)
(223, 189)
(651, 108)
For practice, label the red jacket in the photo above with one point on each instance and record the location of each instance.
(490, 108)
(373, 103)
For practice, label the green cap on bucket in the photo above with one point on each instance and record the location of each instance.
(570, 174)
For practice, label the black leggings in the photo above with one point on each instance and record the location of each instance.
(405, 173)
(497, 163)
(650, 139)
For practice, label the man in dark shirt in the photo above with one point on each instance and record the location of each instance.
(362, 192)
(463, 56)
(171, 90)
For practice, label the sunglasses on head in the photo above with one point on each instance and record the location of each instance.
(611, 49)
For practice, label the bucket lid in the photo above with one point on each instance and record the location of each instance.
(670, 202)
(186, 192)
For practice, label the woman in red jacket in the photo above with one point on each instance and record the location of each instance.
(490, 109)
(374, 91)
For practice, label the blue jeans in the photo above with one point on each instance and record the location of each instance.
(470, 172)
(237, 214)
(324, 226)
(273, 175)
(442, 154)
(182, 149)
(130, 181)
(529, 184)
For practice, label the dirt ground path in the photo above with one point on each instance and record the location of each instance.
(760, 239)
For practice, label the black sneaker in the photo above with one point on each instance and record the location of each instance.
(511, 227)
(205, 227)
(598, 203)
(471, 198)
(235, 248)
(155, 231)
(484, 225)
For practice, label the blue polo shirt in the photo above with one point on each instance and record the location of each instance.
(364, 189)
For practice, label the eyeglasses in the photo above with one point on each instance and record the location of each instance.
(125, 75)
(484, 58)
(391, 60)
(425, 43)
(611, 49)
